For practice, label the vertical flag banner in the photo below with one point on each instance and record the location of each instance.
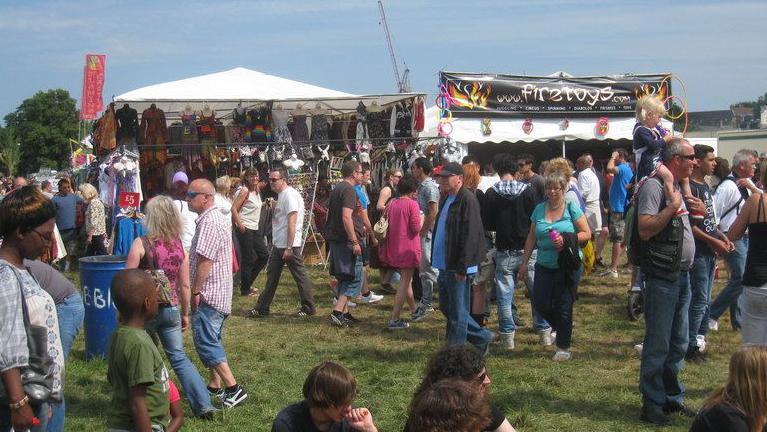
(91, 103)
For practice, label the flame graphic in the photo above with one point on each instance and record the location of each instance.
(93, 62)
(648, 89)
(475, 96)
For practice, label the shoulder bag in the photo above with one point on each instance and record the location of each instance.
(150, 265)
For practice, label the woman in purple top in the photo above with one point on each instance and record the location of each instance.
(402, 249)
(166, 252)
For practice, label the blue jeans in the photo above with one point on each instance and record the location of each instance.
(736, 262)
(70, 313)
(353, 288)
(506, 269)
(701, 281)
(167, 326)
(554, 300)
(665, 339)
(538, 322)
(454, 298)
(426, 272)
(207, 331)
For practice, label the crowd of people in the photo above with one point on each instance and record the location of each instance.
(443, 235)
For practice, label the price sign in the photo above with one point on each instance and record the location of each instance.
(128, 199)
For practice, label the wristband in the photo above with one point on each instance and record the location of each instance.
(20, 404)
(196, 293)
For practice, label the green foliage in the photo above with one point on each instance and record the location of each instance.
(10, 151)
(44, 124)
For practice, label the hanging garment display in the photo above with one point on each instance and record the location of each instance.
(362, 135)
(419, 115)
(127, 126)
(258, 126)
(281, 132)
(320, 128)
(401, 122)
(127, 228)
(300, 129)
(189, 138)
(236, 132)
(105, 136)
(206, 130)
(153, 132)
(377, 127)
(294, 164)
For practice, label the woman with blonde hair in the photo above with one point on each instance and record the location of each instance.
(741, 405)
(95, 221)
(161, 249)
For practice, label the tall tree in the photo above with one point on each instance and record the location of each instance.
(10, 151)
(44, 123)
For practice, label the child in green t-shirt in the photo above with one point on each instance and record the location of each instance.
(136, 371)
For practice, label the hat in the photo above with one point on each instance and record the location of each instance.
(450, 169)
(180, 177)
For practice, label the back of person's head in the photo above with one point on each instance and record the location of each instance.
(130, 290)
(407, 185)
(223, 184)
(424, 164)
(45, 184)
(25, 209)
(649, 104)
(503, 163)
(746, 388)
(722, 169)
(329, 384)
(471, 177)
(349, 167)
(470, 159)
(560, 165)
(163, 219)
(450, 405)
(623, 154)
(88, 191)
(455, 361)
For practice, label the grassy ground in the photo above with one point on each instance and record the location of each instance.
(596, 391)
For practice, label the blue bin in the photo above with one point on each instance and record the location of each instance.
(96, 275)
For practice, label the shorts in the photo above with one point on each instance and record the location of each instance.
(617, 227)
(594, 216)
(207, 330)
(346, 268)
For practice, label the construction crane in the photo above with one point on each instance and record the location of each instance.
(403, 81)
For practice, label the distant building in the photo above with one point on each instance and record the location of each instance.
(763, 118)
(744, 117)
(711, 120)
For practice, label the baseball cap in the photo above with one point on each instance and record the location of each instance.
(180, 177)
(450, 169)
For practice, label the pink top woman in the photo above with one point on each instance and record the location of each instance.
(402, 248)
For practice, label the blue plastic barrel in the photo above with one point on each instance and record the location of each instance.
(96, 275)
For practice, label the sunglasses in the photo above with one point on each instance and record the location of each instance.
(688, 157)
(191, 194)
(274, 180)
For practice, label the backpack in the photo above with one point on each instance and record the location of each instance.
(631, 233)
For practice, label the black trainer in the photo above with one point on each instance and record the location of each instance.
(234, 397)
(350, 318)
(655, 415)
(679, 408)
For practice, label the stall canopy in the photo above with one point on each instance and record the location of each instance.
(491, 108)
(225, 90)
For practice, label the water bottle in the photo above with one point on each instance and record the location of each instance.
(554, 235)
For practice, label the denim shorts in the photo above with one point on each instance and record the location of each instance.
(352, 288)
(207, 329)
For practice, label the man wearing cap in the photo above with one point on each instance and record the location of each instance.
(458, 246)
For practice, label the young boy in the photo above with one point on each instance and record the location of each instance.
(329, 392)
(136, 372)
(650, 139)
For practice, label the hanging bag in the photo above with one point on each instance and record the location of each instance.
(150, 265)
(36, 380)
(381, 228)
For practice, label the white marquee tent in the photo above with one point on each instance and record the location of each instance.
(223, 91)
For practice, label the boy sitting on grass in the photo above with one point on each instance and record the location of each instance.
(139, 379)
(329, 392)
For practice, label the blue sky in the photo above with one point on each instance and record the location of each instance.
(715, 47)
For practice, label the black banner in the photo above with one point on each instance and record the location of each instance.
(486, 95)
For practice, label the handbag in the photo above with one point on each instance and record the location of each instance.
(151, 267)
(35, 378)
(381, 228)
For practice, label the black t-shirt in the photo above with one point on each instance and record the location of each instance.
(496, 419)
(538, 184)
(297, 418)
(708, 223)
(343, 196)
(719, 418)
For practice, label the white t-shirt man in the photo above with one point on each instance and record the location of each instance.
(288, 201)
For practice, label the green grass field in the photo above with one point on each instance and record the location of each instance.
(596, 391)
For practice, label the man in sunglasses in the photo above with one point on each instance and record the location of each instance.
(667, 251)
(287, 227)
(210, 266)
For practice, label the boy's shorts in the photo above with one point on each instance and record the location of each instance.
(207, 330)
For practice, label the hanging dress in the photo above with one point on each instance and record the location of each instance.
(153, 132)
(189, 139)
(281, 132)
(207, 132)
(300, 130)
(320, 130)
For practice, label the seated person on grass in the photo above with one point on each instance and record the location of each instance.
(451, 405)
(135, 370)
(329, 392)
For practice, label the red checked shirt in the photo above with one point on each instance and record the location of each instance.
(213, 240)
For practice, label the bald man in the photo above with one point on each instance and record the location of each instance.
(19, 182)
(210, 263)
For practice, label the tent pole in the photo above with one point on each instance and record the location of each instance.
(563, 149)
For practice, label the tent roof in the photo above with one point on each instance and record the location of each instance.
(224, 90)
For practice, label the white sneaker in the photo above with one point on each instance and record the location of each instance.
(610, 273)
(700, 340)
(639, 347)
(544, 337)
(713, 325)
(561, 356)
(370, 298)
